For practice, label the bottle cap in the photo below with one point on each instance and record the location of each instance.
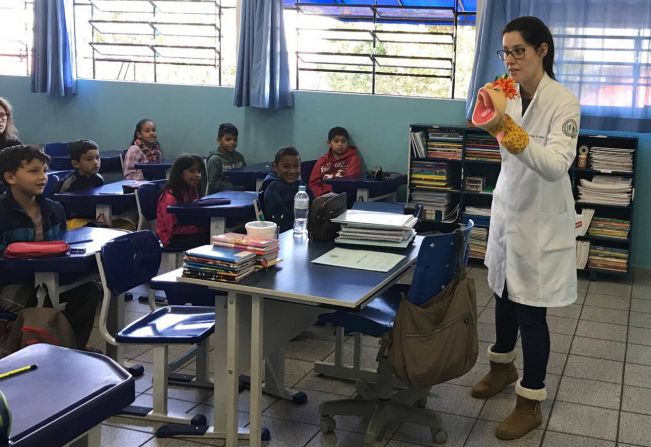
(301, 188)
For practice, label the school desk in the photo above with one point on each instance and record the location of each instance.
(110, 161)
(364, 190)
(268, 308)
(156, 171)
(240, 208)
(105, 201)
(250, 176)
(65, 398)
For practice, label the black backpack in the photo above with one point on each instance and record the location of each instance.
(324, 208)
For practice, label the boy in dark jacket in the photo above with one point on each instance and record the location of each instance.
(223, 159)
(280, 187)
(25, 216)
(84, 156)
(341, 161)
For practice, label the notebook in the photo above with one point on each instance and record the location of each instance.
(221, 254)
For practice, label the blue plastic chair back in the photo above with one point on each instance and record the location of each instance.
(306, 170)
(437, 263)
(130, 260)
(57, 149)
(50, 186)
(148, 194)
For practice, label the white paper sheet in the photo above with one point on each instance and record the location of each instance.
(359, 259)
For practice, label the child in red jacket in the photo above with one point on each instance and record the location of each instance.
(340, 161)
(182, 187)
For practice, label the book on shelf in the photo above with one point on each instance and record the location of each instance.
(582, 251)
(417, 143)
(476, 184)
(606, 190)
(611, 159)
(583, 220)
(608, 258)
(610, 228)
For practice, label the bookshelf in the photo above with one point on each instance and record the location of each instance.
(453, 170)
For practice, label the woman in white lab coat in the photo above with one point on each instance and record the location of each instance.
(531, 255)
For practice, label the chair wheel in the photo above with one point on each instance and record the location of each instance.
(439, 437)
(265, 435)
(299, 398)
(327, 424)
(136, 370)
(199, 419)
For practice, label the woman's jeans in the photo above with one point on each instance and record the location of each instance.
(532, 323)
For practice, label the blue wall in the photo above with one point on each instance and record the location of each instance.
(187, 119)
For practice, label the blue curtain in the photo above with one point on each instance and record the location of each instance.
(262, 78)
(53, 68)
(603, 54)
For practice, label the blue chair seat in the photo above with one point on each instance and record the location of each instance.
(375, 319)
(170, 325)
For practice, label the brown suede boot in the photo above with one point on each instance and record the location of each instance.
(525, 417)
(501, 374)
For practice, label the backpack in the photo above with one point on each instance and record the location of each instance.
(324, 208)
(39, 325)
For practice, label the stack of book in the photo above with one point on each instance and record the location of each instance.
(417, 143)
(583, 220)
(359, 227)
(477, 242)
(608, 258)
(480, 148)
(611, 159)
(429, 175)
(438, 206)
(444, 143)
(265, 250)
(606, 190)
(610, 228)
(217, 263)
(475, 184)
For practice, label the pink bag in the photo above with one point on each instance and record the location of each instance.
(36, 249)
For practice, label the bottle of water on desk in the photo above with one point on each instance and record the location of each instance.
(301, 209)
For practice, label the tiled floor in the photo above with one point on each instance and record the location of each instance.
(599, 382)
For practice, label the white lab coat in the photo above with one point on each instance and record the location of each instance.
(531, 240)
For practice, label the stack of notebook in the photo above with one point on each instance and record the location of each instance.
(217, 263)
(359, 227)
(265, 250)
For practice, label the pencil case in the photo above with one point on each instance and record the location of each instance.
(40, 249)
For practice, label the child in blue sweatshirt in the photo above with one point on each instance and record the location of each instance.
(280, 187)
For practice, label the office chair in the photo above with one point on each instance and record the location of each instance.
(126, 262)
(435, 268)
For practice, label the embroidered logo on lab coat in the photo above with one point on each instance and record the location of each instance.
(570, 128)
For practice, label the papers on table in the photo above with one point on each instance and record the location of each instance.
(359, 259)
(375, 219)
(359, 227)
(606, 190)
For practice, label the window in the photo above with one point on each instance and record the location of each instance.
(173, 41)
(393, 47)
(16, 36)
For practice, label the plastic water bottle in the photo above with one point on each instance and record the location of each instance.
(301, 208)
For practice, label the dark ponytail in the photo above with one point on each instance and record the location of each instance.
(535, 33)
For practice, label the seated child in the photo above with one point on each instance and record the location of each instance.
(25, 215)
(280, 187)
(84, 156)
(223, 159)
(144, 149)
(182, 187)
(340, 161)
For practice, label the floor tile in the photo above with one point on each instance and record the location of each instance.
(584, 420)
(637, 375)
(309, 349)
(286, 433)
(603, 349)
(638, 354)
(486, 332)
(554, 439)
(603, 315)
(483, 435)
(457, 428)
(555, 364)
(589, 392)
(635, 428)
(454, 399)
(604, 331)
(339, 438)
(121, 437)
(641, 306)
(594, 369)
(636, 399)
(640, 336)
(344, 388)
(640, 319)
(561, 325)
(570, 311)
(608, 301)
(641, 291)
(615, 288)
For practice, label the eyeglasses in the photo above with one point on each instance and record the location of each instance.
(517, 53)
(4, 116)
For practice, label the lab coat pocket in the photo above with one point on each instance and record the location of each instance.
(557, 256)
(522, 258)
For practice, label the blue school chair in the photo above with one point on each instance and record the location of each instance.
(126, 262)
(306, 170)
(51, 185)
(57, 149)
(435, 268)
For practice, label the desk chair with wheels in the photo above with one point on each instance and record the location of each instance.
(435, 268)
(126, 262)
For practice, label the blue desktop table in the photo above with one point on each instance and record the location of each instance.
(364, 190)
(156, 171)
(100, 203)
(240, 208)
(110, 161)
(250, 176)
(272, 307)
(65, 398)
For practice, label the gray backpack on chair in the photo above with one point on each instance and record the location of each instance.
(324, 208)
